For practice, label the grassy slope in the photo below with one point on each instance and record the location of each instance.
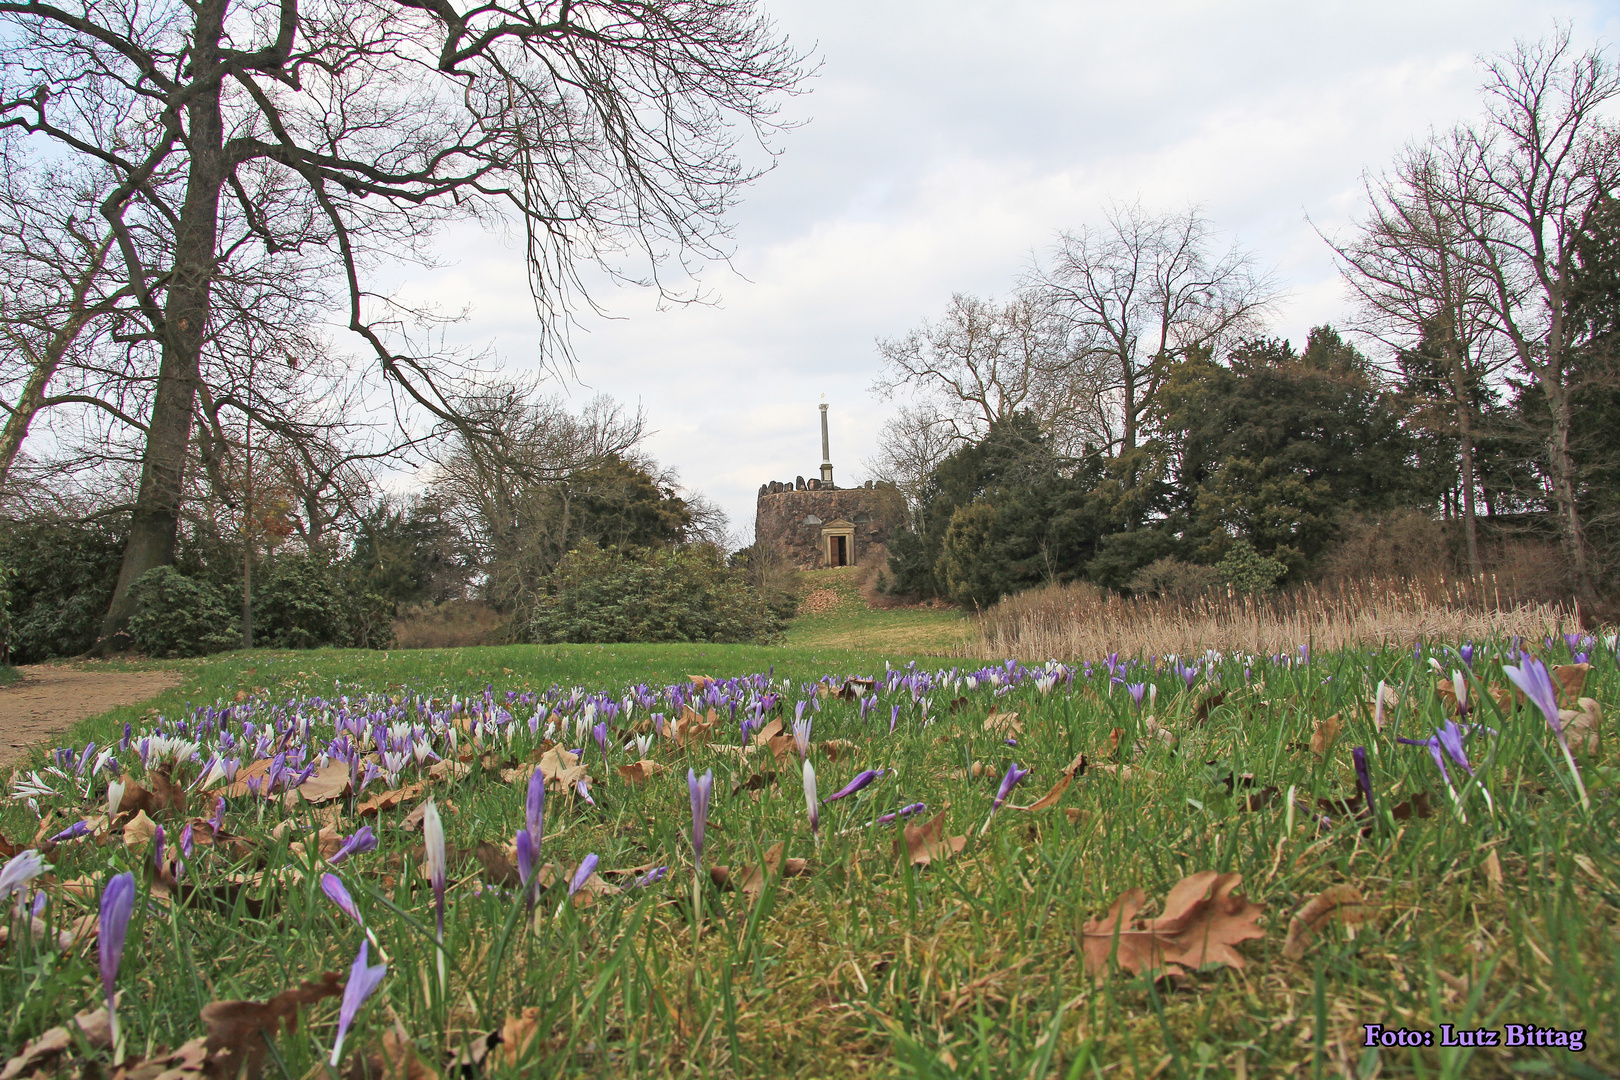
(851, 624)
(967, 968)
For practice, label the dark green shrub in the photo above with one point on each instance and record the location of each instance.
(679, 594)
(1248, 571)
(305, 602)
(65, 572)
(179, 616)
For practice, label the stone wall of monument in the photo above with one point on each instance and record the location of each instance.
(791, 519)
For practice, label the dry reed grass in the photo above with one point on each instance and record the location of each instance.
(455, 624)
(1083, 622)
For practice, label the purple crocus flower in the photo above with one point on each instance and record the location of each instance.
(1467, 654)
(700, 788)
(587, 867)
(1363, 776)
(894, 718)
(651, 877)
(19, 870)
(362, 981)
(861, 780)
(185, 840)
(157, 847)
(361, 842)
(72, 832)
(335, 892)
(217, 822)
(525, 856)
(534, 809)
(1014, 775)
(600, 731)
(117, 905)
(1531, 677)
(904, 811)
(1137, 690)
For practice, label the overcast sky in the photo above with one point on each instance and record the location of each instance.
(944, 141)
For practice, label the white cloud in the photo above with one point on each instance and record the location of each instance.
(947, 139)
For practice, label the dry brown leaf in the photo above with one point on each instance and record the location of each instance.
(1447, 693)
(139, 830)
(1391, 700)
(1493, 871)
(1208, 705)
(399, 1060)
(449, 770)
(326, 783)
(497, 864)
(639, 772)
(1006, 725)
(692, 728)
(701, 681)
(517, 1033)
(239, 784)
(751, 879)
(238, 1030)
(388, 800)
(926, 843)
(167, 796)
(1341, 902)
(781, 746)
(562, 769)
(766, 734)
(328, 840)
(1584, 729)
(189, 1061)
(1051, 797)
(93, 1025)
(1202, 920)
(1571, 680)
(837, 748)
(1324, 734)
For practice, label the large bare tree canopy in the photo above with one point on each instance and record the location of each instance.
(1141, 291)
(310, 141)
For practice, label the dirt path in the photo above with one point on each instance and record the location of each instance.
(49, 699)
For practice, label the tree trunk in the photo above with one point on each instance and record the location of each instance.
(1561, 468)
(1465, 458)
(156, 517)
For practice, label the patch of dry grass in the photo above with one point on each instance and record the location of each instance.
(1081, 621)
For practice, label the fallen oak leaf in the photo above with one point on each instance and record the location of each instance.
(1202, 920)
(1584, 729)
(926, 843)
(388, 799)
(639, 772)
(1324, 734)
(241, 1029)
(94, 1027)
(1006, 725)
(1571, 679)
(166, 794)
(517, 1033)
(836, 748)
(139, 830)
(329, 782)
(1207, 705)
(751, 879)
(1341, 902)
(253, 770)
(1051, 797)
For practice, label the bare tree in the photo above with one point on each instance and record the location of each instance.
(334, 134)
(1407, 267)
(910, 447)
(1522, 187)
(1140, 292)
(60, 305)
(985, 361)
(506, 489)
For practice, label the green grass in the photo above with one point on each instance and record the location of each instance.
(852, 624)
(865, 965)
